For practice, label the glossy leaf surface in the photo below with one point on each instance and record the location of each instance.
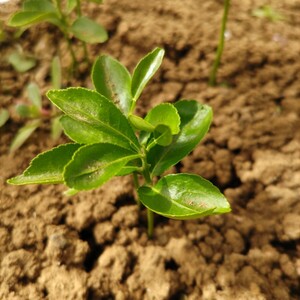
(23, 134)
(144, 71)
(164, 114)
(195, 122)
(184, 196)
(93, 165)
(112, 80)
(47, 167)
(91, 108)
(89, 31)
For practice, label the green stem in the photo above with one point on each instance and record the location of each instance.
(213, 74)
(136, 186)
(150, 218)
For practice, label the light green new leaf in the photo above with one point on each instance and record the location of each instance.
(93, 165)
(89, 31)
(163, 135)
(140, 123)
(34, 95)
(20, 62)
(164, 114)
(112, 80)
(90, 108)
(144, 71)
(23, 134)
(195, 122)
(184, 196)
(47, 167)
(4, 116)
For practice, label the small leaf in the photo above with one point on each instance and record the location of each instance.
(112, 80)
(164, 114)
(88, 31)
(184, 196)
(38, 5)
(163, 135)
(144, 71)
(140, 124)
(93, 165)
(91, 109)
(25, 18)
(4, 116)
(20, 62)
(56, 128)
(56, 73)
(27, 111)
(47, 167)
(34, 95)
(23, 134)
(195, 121)
(71, 4)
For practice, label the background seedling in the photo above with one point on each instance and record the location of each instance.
(213, 74)
(67, 16)
(34, 113)
(110, 140)
(269, 13)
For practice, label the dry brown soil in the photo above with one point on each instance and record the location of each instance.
(94, 245)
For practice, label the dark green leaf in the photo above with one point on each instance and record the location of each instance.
(93, 110)
(93, 165)
(4, 116)
(112, 80)
(47, 167)
(195, 122)
(184, 196)
(164, 114)
(144, 71)
(20, 62)
(23, 134)
(88, 31)
(34, 95)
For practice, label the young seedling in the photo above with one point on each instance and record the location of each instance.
(67, 16)
(110, 140)
(268, 12)
(214, 70)
(34, 113)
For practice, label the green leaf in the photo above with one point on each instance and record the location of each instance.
(20, 62)
(25, 18)
(144, 71)
(91, 109)
(184, 196)
(112, 80)
(34, 95)
(47, 167)
(4, 116)
(195, 122)
(56, 73)
(93, 165)
(89, 31)
(164, 114)
(38, 5)
(71, 4)
(163, 135)
(140, 124)
(27, 111)
(23, 134)
(56, 128)
(96, 1)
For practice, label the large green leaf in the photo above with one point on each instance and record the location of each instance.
(164, 114)
(144, 71)
(89, 31)
(93, 165)
(112, 80)
(195, 122)
(91, 108)
(184, 196)
(38, 5)
(47, 167)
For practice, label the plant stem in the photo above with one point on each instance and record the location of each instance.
(213, 74)
(136, 186)
(150, 218)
